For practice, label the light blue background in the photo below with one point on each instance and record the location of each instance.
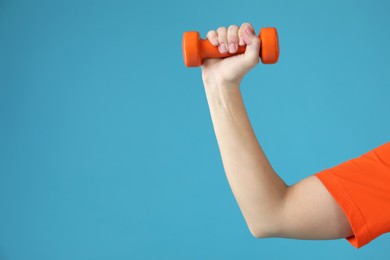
(107, 150)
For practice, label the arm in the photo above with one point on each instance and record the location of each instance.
(271, 209)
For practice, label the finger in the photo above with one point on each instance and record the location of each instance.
(253, 45)
(212, 37)
(240, 34)
(222, 39)
(232, 37)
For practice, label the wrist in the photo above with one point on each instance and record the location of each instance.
(214, 87)
(222, 94)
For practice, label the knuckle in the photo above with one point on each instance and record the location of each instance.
(221, 30)
(233, 27)
(245, 24)
(233, 33)
(211, 33)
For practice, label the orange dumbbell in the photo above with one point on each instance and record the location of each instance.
(196, 49)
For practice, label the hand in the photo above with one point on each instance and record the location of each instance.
(233, 69)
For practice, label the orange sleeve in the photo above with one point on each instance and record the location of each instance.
(361, 187)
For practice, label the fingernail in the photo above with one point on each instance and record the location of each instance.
(214, 41)
(232, 48)
(223, 48)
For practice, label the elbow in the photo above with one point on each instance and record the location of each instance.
(267, 223)
(260, 232)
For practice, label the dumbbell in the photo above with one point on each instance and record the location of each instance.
(196, 49)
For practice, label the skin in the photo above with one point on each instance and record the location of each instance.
(305, 210)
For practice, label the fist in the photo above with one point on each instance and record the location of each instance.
(231, 70)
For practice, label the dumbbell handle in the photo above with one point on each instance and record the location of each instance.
(196, 49)
(210, 51)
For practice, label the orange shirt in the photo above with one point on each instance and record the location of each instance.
(361, 187)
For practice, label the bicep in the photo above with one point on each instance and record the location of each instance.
(310, 212)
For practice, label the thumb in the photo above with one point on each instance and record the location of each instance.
(252, 46)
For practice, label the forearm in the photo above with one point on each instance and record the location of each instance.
(304, 210)
(259, 191)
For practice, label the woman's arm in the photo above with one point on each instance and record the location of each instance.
(271, 208)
